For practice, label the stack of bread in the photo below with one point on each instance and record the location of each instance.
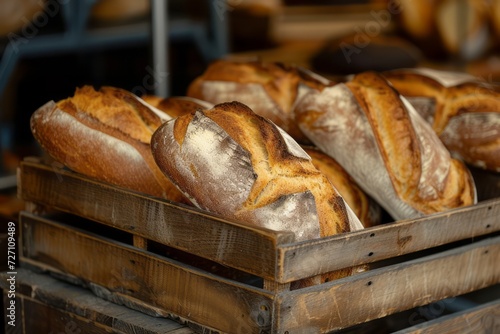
(265, 144)
(364, 124)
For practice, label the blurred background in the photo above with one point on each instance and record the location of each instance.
(50, 47)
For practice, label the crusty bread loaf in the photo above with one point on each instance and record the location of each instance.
(384, 144)
(464, 111)
(463, 26)
(269, 89)
(106, 135)
(234, 163)
(364, 207)
(176, 106)
(441, 28)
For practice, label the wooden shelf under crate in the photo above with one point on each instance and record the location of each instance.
(46, 305)
(411, 263)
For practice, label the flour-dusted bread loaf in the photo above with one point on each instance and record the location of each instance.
(234, 163)
(386, 146)
(364, 207)
(464, 111)
(270, 89)
(106, 135)
(175, 106)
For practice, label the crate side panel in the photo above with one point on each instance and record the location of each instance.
(380, 292)
(140, 278)
(237, 245)
(480, 319)
(387, 241)
(75, 304)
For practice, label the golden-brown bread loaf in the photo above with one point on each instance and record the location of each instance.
(386, 146)
(269, 89)
(365, 208)
(234, 163)
(464, 111)
(463, 26)
(441, 28)
(106, 135)
(176, 106)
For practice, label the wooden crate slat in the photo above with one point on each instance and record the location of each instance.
(52, 306)
(136, 276)
(268, 254)
(480, 319)
(387, 241)
(237, 245)
(380, 292)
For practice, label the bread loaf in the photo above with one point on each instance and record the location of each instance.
(464, 111)
(234, 163)
(365, 208)
(444, 28)
(384, 144)
(463, 26)
(269, 89)
(106, 135)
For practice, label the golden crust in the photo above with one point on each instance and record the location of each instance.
(280, 83)
(115, 108)
(452, 101)
(392, 153)
(104, 134)
(278, 171)
(393, 130)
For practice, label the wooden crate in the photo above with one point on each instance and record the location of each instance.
(46, 305)
(175, 261)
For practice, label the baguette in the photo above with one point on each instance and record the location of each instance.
(236, 164)
(270, 89)
(386, 146)
(464, 111)
(106, 135)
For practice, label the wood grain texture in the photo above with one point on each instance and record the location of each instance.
(387, 241)
(52, 306)
(240, 246)
(380, 292)
(142, 280)
(481, 319)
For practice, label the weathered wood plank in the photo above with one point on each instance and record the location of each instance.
(140, 279)
(240, 246)
(52, 306)
(380, 292)
(481, 319)
(386, 241)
